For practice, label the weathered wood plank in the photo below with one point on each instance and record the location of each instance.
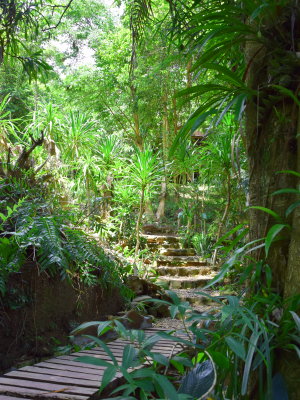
(51, 387)
(64, 378)
(4, 397)
(69, 360)
(62, 372)
(78, 368)
(36, 377)
(40, 394)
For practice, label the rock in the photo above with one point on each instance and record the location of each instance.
(141, 286)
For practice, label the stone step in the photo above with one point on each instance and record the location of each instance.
(176, 261)
(194, 298)
(158, 247)
(178, 252)
(184, 271)
(179, 282)
(155, 229)
(161, 239)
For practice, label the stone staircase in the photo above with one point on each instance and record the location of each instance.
(177, 267)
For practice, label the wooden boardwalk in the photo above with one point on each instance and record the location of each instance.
(64, 378)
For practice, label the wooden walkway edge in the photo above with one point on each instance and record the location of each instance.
(66, 379)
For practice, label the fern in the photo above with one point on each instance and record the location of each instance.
(32, 230)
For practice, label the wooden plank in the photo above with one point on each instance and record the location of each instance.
(62, 372)
(3, 397)
(70, 362)
(163, 343)
(40, 394)
(72, 359)
(36, 377)
(100, 355)
(79, 367)
(51, 387)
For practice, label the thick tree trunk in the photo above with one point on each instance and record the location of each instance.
(271, 128)
(271, 137)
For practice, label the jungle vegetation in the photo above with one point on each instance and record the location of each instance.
(183, 113)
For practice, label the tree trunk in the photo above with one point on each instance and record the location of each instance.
(271, 137)
(160, 213)
(138, 224)
(271, 130)
(162, 200)
(136, 120)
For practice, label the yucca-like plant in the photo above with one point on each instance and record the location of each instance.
(145, 172)
(78, 135)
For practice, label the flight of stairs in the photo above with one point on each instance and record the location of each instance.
(177, 267)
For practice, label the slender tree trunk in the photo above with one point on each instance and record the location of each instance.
(162, 200)
(135, 114)
(138, 224)
(160, 213)
(175, 115)
(225, 214)
(227, 207)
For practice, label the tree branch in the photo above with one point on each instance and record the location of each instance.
(60, 18)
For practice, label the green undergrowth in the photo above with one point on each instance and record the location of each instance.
(35, 230)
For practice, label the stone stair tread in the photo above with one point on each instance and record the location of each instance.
(181, 258)
(187, 278)
(167, 236)
(180, 282)
(184, 270)
(171, 252)
(189, 293)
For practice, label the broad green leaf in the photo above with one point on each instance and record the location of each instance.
(257, 11)
(129, 354)
(286, 191)
(173, 311)
(105, 348)
(288, 171)
(296, 319)
(229, 233)
(220, 359)
(108, 376)
(287, 92)
(93, 360)
(236, 346)
(151, 341)
(166, 386)
(176, 300)
(268, 211)
(225, 73)
(160, 358)
(103, 327)
(142, 373)
(292, 207)
(183, 360)
(297, 349)
(251, 349)
(87, 325)
(271, 235)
